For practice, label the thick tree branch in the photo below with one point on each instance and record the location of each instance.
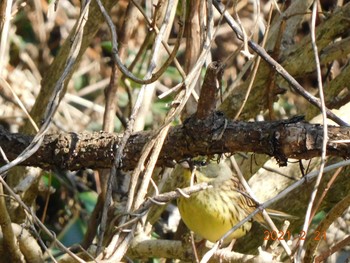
(178, 249)
(215, 134)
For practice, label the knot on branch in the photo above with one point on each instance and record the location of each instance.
(202, 133)
(207, 125)
(288, 137)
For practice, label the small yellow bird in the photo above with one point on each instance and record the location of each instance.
(214, 211)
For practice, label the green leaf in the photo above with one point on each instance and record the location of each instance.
(89, 200)
(73, 233)
(107, 46)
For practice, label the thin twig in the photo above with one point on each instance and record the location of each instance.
(311, 246)
(4, 35)
(324, 193)
(9, 239)
(169, 196)
(323, 256)
(255, 68)
(117, 59)
(284, 229)
(4, 83)
(165, 44)
(299, 256)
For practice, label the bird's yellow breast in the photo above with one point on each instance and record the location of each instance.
(214, 211)
(210, 214)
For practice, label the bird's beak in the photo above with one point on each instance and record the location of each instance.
(184, 163)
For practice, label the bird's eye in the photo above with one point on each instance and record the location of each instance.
(203, 163)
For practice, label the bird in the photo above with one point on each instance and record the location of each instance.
(212, 212)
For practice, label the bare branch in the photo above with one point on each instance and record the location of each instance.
(281, 139)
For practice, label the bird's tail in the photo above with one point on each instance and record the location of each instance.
(279, 214)
(274, 214)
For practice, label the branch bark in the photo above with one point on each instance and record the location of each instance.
(215, 134)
